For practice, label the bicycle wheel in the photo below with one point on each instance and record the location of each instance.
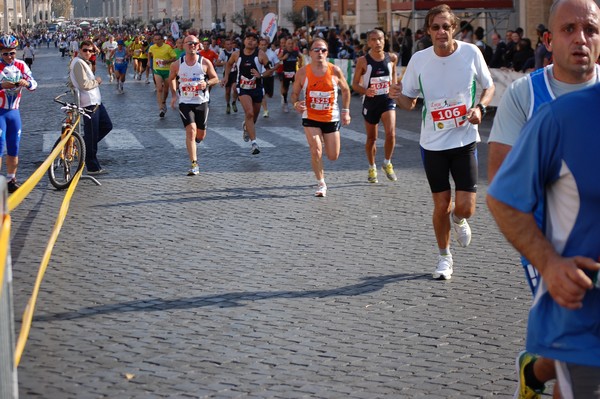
(68, 162)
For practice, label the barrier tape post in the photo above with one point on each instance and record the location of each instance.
(8, 369)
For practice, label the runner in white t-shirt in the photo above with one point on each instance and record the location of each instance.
(445, 76)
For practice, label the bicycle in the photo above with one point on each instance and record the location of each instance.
(71, 158)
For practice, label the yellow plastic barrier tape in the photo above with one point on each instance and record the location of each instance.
(28, 314)
(18, 196)
(4, 240)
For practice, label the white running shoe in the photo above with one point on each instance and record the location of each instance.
(444, 268)
(462, 232)
(321, 190)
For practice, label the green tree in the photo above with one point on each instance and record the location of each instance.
(61, 8)
(299, 20)
(242, 20)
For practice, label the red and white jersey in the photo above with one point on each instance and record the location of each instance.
(10, 98)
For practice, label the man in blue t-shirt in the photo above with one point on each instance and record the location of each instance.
(554, 161)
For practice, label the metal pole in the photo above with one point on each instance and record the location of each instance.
(8, 369)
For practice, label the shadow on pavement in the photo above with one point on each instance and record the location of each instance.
(232, 299)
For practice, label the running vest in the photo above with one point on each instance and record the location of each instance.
(245, 63)
(189, 80)
(321, 95)
(379, 76)
(120, 56)
(540, 91)
(290, 63)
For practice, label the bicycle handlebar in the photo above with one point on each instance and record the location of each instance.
(72, 106)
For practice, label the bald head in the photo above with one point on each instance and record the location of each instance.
(572, 8)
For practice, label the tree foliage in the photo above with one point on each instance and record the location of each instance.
(61, 8)
(242, 20)
(298, 19)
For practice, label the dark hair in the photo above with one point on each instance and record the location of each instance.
(442, 8)
(86, 43)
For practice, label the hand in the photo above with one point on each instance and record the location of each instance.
(474, 116)
(99, 79)
(202, 85)
(346, 118)
(370, 92)
(395, 91)
(566, 281)
(300, 106)
(173, 101)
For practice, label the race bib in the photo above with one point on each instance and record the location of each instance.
(381, 85)
(137, 52)
(161, 63)
(246, 83)
(448, 114)
(119, 60)
(289, 75)
(320, 100)
(190, 90)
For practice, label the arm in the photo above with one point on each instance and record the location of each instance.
(359, 71)
(403, 101)
(299, 106)
(172, 82)
(345, 95)
(213, 78)
(474, 115)
(496, 155)
(228, 66)
(566, 281)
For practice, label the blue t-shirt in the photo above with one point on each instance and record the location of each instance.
(556, 160)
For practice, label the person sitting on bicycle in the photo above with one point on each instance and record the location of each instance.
(14, 75)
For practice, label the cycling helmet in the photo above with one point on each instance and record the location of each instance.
(8, 41)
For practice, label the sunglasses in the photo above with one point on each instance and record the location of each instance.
(193, 43)
(436, 27)
(87, 50)
(319, 50)
(9, 53)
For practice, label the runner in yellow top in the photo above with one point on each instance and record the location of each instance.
(138, 50)
(162, 55)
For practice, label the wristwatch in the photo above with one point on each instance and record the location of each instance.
(482, 108)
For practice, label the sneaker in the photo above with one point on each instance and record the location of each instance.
(462, 232)
(266, 113)
(523, 391)
(228, 111)
(194, 170)
(245, 134)
(12, 185)
(444, 268)
(372, 176)
(162, 112)
(147, 81)
(286, 108)
(198, 141)
(389, 171)
(234, 106)
(255, 149)
(321, 190)
(97, 172)
(111, 78)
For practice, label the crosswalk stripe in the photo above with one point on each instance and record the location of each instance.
(121, 139)
(176, 137)
(290, 134)
(407, 135)
(235, 136)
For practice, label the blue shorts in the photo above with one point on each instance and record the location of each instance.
(10, 131)
(373, 108)
(121, 68)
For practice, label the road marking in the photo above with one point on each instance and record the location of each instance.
(176, 137)
(235, 136)
(408, 135)
(289, 134)
(121, 139)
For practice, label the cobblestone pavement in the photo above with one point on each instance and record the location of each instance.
(238, 283)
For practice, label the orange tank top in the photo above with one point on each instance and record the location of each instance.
(321, 95)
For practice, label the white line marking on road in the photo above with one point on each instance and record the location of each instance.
(235, 136)
(289, 134)
(176, 137)
(121, 139)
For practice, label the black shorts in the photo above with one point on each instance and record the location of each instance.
(231, 80)
(326, 127)
(143, 62)
(461, 162)
(286, 82)
(374, 108)
(256, 94)
(194, 113)
(269, 85)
